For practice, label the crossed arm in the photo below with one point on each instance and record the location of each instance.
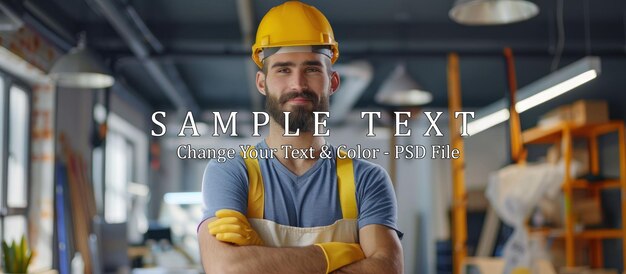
(380, 245)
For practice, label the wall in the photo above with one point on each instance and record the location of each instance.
(73, 120)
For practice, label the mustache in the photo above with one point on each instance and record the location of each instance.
(304, 94)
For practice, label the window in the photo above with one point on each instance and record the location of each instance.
(27, 159)
(123, 195)
(119, 173)
(18, 147)
(3, 98)
(15, 110)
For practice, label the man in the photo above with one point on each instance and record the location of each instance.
(295, 214)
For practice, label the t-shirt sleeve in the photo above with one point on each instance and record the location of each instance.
(224, 186)
(375, 197)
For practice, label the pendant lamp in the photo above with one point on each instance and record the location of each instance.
(81, 68)
(400, 90)
(492, 12)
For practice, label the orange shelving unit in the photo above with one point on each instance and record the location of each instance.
(564, 134)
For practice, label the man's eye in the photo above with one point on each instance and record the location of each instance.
(313, 69)
(283, 70)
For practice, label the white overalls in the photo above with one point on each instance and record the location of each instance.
(278, 235)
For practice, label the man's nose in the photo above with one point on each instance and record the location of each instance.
(298, 81)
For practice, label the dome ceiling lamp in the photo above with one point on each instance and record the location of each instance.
(81, 68)
(492, 12)
(400, 90)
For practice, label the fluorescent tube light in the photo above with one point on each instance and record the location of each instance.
(555, 91)
(183, 198)
(488, 121)
(538, 92)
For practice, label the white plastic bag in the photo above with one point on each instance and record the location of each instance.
(513, 193)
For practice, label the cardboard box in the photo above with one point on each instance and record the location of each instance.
(588, 212)
(560, 114)
(581, 112)
(580, 154)
(584, 112)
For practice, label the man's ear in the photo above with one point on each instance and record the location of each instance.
(260, 82)
(335, 81)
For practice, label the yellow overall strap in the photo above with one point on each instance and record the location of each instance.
(347, 186)
(256, 193)
(345, 181)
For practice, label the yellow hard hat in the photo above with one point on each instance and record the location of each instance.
(294, 24)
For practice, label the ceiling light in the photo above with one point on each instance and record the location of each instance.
(555, 91)
(183, 198)
(492, 12)
(81, 68)
(538, 92)
(488, 121)
(400, 90)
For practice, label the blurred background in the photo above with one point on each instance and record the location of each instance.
(82, 174)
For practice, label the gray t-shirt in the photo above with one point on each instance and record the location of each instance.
(308, 200)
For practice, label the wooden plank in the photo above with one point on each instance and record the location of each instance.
(79, 198)
(600, 234)
(584, 184)
(592, 147)
(515, 129)
(553, 134)
(586, 234)
(622, 174)
(568, 195)
(596, 254)
(459, 215)
(538, 135)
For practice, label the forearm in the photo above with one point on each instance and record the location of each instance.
(258, 259)
(373, 265)
(383, 252)
(220, 258)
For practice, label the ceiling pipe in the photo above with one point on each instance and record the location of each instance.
(143, 28)
(245, 13)
(181, 98)
(235, 50)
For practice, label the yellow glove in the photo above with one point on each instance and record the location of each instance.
(233, 227)
(340, 254)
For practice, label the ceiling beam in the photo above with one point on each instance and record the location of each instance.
(181, 98)
(39, 20)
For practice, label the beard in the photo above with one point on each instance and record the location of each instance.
(300, 116)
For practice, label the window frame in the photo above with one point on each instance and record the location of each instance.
(138, 143)
(6, 211)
